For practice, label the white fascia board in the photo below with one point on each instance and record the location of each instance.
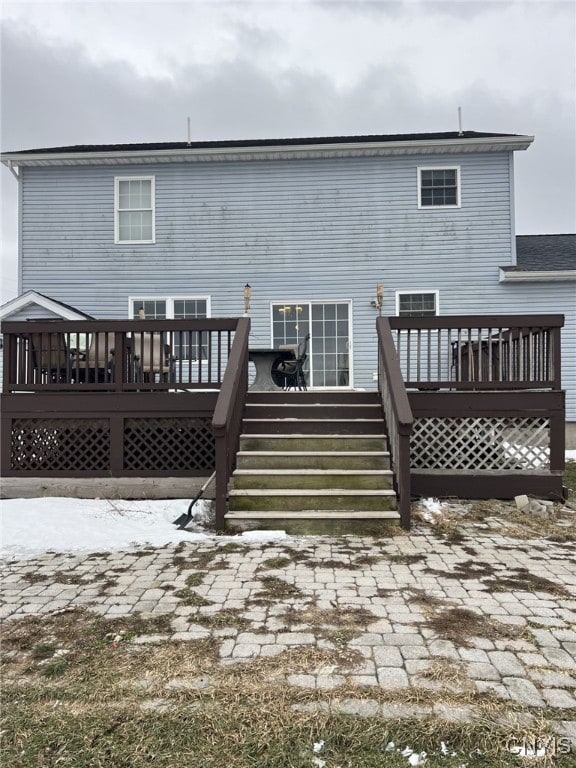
(545, 276)
(277, 152)
(31, 297)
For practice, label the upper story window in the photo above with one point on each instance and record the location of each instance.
(134, 209)
(439, 187)
(423, 304)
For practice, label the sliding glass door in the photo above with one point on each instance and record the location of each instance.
(328, 324)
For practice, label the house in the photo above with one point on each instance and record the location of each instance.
(308, 235)
(312, 225)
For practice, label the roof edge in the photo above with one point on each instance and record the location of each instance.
(536, 276)
(339, 147)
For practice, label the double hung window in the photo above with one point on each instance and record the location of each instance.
(439, 187)
(134, 210)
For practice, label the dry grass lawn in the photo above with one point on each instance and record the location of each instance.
(80, 693)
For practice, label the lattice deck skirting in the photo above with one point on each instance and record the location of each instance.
(480, 443)
(77, 446)
(168, 444)
(60, 445)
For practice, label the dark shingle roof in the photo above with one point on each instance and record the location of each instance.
(67, 306)
(224, 144)
(545, 253)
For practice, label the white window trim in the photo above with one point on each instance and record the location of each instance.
(117, 180)
(436, 294)
(438, 168)
(170, 303)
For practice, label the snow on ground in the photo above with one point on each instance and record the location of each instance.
(30, 527)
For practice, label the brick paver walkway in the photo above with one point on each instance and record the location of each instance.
(499, 613)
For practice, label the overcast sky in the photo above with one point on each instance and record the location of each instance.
(96, 73)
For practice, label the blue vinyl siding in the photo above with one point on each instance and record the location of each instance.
(311, 230)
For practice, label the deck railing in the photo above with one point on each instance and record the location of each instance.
(479, 352)
(116, 355)
(227, 419)
(398, 415)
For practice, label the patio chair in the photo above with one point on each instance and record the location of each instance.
(100, 356)
(50, 356)
(151, 356)
(292, 371)
(95, 364)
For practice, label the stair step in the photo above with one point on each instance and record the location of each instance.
(320, 411)
(337, 396)
(322, 436)
(315, 453)
(312, 426)
(284, 499)
(312, 514)
(312, 479)
(311, 404)
(328, 422)
(328, 460)
(305, 492)
(336, 472)
(297, 442)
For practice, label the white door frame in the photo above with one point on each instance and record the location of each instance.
(310, 303)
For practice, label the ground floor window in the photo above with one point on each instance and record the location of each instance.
(328, 324)
(185, 345)
(417, 304)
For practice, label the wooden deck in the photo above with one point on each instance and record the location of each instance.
(472, 406)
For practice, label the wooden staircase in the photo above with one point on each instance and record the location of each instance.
(312, 456)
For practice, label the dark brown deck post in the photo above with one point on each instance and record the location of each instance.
(227, 420)
(221, 485)
(120, 362)
(398, 414)
(9, 361)
(556, 356)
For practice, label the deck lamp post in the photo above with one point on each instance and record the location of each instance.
(247, 297)
(379, 298)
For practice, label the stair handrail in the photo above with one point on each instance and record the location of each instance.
(227, 418)
(398, 415)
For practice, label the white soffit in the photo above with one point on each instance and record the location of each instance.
(534, 276)
(275, 152)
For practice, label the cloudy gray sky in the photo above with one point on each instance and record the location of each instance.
(82, 72)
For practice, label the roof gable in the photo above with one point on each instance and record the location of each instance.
(33, 298)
